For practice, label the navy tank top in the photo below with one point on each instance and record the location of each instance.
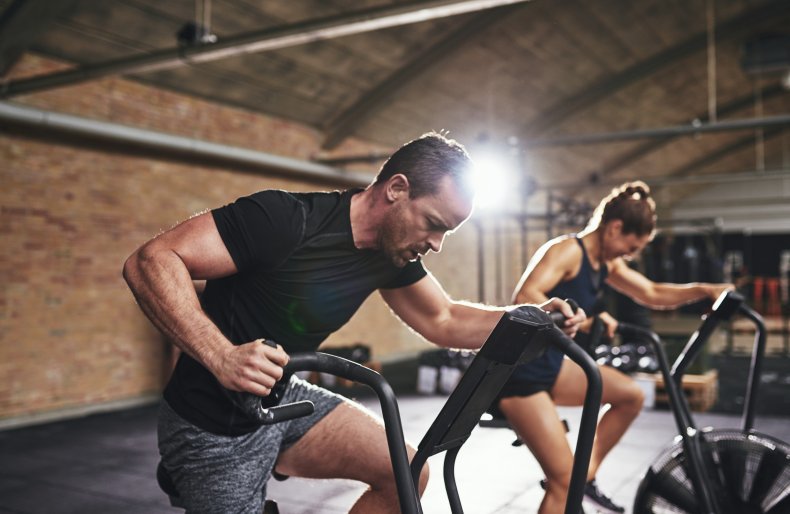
(583, 288)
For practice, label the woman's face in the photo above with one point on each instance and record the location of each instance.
(616, 244)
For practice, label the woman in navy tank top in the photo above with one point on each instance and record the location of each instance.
(576, 266)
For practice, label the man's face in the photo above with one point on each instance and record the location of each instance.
(413, 227)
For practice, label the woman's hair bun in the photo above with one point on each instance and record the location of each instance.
(636, 190)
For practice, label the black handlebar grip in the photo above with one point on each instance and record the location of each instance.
(250, 404)
(637, 332)
(285, 412)
(627, 329)
(559, 318)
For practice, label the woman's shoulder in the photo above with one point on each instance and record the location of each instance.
(562, 252)
(566, 243)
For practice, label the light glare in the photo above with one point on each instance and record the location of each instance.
(493, 178)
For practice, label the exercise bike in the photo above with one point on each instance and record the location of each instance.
(522, 334)
(714, 471)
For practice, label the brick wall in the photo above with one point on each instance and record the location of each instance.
(70, 332)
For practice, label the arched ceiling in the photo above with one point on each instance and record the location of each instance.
(501, 76)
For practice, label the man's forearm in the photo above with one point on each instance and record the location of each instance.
(468, 325)
(165, 292)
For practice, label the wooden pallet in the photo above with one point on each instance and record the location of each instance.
(702, 391)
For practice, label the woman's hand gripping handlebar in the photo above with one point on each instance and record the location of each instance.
(568, 320)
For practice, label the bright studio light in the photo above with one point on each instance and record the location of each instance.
(493, 178)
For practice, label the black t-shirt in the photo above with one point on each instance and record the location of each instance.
(299, 279)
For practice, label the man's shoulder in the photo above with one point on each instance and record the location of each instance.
(297, 204)
(276, 209)
(318, 199)
(274, 197)
(326, 211)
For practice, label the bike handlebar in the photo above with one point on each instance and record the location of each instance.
(250, 404)
(591, 404)
(559, 318)
(636, 331)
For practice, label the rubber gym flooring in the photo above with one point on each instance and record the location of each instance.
(105, 463)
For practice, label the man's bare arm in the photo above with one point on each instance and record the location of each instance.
(426, 308)
(161, 273)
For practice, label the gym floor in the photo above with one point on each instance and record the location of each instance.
(105, 463)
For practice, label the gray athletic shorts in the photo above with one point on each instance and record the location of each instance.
(224, 474)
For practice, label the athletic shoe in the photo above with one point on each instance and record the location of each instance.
(600, 501)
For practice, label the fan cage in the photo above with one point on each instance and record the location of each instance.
(749, 473)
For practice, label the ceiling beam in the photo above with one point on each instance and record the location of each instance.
(299, 33)
(22, 22)
(691, 129)
(733, 28)
(710, 158)
(682, 175)
(370, 102)
(684, 181)
(645, 149)
(717, 155)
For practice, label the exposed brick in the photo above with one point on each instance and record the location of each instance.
(70, 331)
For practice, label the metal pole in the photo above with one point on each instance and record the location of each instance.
(301, 33)
(748, 176)
(497, 222)
(755, 368)
(711, 30)
(524, 241)
(147, 140)
(481, 275)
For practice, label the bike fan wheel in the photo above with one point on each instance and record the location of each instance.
(749, 474)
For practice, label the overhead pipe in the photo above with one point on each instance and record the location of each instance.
(372, 157)
(676, 131)
(299, 33)
(718, 178)
(17, 115)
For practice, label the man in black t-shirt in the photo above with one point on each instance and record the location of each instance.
(293, 268)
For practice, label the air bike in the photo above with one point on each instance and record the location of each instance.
(714, 471)
(522, 334)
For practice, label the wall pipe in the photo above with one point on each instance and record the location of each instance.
(196, 149)
(680, 130)
(299, 33)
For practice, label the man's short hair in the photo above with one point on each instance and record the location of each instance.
(425, 161)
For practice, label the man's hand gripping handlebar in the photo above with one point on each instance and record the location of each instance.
(250, 404)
